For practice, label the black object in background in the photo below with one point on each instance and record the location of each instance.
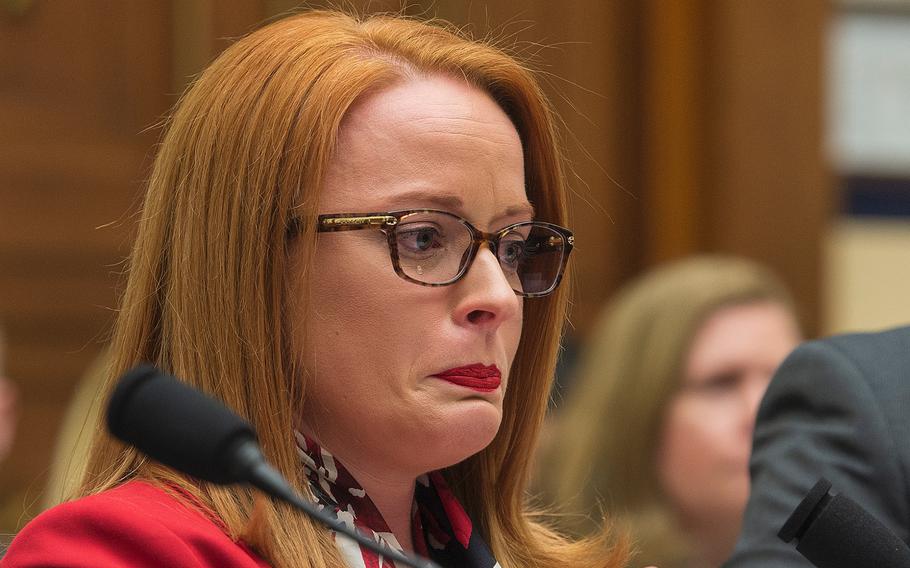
(833, 531)
(191, 432)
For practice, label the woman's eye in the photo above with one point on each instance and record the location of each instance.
(422, 239)
(512, 252)
(721, 383)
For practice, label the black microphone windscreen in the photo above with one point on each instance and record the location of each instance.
(176, 424)
(839, 533)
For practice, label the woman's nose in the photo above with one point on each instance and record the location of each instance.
(487, 297)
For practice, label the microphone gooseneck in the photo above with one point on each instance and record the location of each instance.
(191, 432)
(833, 531)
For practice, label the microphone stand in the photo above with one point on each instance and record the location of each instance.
(251, 465)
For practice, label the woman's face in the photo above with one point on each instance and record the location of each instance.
(375, 342)
(707, 433)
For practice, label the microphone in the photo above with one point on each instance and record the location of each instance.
(191, 432)
(836, 532)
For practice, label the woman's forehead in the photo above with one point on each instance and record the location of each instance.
(428, 142)
(411, 113)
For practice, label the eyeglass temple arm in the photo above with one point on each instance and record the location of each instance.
(344, 223)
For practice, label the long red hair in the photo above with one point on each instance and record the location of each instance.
(244, 153)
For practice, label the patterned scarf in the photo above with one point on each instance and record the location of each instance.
(441, 528)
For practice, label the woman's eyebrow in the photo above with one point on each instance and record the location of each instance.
(448, 202)
(520, 209)
(455, 204)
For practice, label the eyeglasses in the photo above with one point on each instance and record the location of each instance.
(436, 248)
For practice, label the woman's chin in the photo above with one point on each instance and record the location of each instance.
(464, 431)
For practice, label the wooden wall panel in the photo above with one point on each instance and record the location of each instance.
(673, 165)
(770, 192)
(201, 29)
(731, 157)
(80, 83)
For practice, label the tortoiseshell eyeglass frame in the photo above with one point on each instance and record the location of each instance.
(388, 221)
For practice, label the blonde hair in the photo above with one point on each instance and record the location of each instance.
(607, 432)
(243, 155)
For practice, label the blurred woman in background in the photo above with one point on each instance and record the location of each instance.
(656, 429)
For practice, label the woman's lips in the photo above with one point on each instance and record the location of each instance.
(479, 377)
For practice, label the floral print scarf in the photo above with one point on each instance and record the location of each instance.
(441, 528)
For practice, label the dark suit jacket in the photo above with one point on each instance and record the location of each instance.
(838, 408)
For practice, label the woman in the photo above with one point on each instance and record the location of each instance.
(346, 238)
(657, 426)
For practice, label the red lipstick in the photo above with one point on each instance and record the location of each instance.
(476, 376)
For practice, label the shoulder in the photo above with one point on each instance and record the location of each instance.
(850, 391)
(864, 369)
(135, 524)
(867, 349)
(886, 352)
(836, 408)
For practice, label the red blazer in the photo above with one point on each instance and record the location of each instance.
(133, 525)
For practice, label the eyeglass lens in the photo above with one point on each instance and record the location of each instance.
(433, 249)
